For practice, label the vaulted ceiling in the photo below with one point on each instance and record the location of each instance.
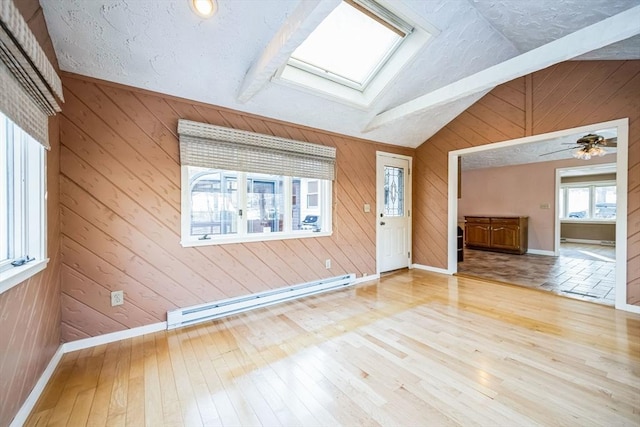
(161, 45)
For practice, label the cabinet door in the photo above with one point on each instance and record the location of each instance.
(478, 234)
(505, 236)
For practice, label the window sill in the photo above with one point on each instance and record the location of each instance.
(256, 238)
(587, 221)
(16, 275)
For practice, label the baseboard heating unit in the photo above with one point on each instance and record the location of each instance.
(217, 309)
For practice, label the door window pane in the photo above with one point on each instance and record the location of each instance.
(214, 203)
(393, 191)
(265, 203)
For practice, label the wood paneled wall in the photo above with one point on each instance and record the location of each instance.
(563, 96)
(30, 311)
(120, 209)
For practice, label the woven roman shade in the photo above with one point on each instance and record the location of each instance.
(218, 147)
(29, 86)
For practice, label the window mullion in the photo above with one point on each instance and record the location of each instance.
(242, 203)
(288, 204)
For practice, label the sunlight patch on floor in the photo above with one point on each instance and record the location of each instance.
(600, 257)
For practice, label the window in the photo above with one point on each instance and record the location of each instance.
(355, 52)
(393, 191)
(588, 201)
(312, 194)
(31, 91)
(277, 189)
(349, 46)
(232, 206)
(22, 218)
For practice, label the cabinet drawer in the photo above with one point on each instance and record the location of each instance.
(477, 219)
(505, 221)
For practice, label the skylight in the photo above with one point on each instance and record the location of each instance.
(348, 47)
(354, 54)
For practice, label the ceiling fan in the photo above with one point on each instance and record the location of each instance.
(588, 146)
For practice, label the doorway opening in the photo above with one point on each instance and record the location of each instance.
(621, 128)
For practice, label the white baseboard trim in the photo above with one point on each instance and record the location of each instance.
(586, 241)
(540, 252)
(369, 278)
(432, 269)
(32, 399)
(630, 308)
(113, 336)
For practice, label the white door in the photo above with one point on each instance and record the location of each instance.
(393, 211)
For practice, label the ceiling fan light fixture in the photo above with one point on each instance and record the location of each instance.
(586, 153)
(203, 8)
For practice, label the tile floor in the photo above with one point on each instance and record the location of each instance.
(581, 271)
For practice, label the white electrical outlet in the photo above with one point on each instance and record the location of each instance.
(117, 298)
(327, 263)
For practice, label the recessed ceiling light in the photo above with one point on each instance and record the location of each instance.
(203, 8)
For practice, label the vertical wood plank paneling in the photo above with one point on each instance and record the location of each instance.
(120, 203)
(563, 96)
(30, 311)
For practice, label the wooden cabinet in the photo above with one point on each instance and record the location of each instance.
(500, 234)
(478, 232)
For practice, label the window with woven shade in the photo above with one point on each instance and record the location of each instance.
(240, 186)
(30, 92)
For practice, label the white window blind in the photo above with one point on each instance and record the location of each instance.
(217, 147)
(29, 86)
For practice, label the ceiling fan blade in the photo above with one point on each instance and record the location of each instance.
(553, 152)
(610, 142)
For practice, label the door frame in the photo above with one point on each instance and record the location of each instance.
(557, 225)
(621, 189)
(408, 200)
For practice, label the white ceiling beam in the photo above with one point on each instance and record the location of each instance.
(611, 30)
(304, 19)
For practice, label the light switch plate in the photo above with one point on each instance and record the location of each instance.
(367, 207)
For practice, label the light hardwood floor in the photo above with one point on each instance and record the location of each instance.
(414, 348)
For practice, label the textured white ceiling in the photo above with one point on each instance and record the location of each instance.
(533, 152)
(162, 46)
(530, 24)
